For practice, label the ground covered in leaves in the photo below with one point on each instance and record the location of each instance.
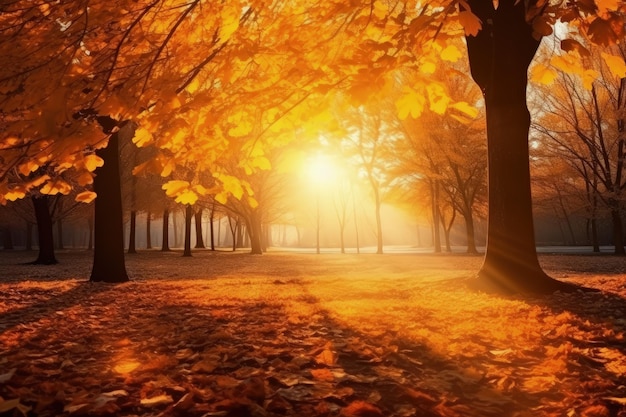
(231, 334)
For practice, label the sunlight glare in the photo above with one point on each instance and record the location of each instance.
(321, 169)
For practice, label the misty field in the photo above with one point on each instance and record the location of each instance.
(287, 334)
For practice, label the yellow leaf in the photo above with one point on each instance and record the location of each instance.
(252, 202)
(616, 64)
(86, 197)
(56, 187)
(262, 163)
(241, 129)
(451, 53)
(428, 67)
(380, 9)
(589, 76)
(222, 197)
(438, 98)
(193, 86)
(84, 178)
(175, 187)
(92, 162)
(200, 189)
(470, 22)
(142, 137)
(15, 194)
(465, 108)
(232, 185)
(410, 103)
(569, 63)
(187, 197)
(542, 74)
(230, 22)
(28, 167)
(168, 168)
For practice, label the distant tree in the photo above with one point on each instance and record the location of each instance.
(581, 121)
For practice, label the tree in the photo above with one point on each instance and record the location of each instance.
(499, 56)
(108, 258)
(580, 120)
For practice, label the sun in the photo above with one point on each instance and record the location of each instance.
(321, 169)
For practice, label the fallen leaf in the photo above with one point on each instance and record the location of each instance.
(157, 401)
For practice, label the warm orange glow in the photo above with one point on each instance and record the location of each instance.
(321, 169)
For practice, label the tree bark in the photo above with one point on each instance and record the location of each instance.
(44, 231)
(148, 231)
(618, 228)
(499, 58)
(212, 233)
(188, 215)
(470, 232)
(108, 254)
(132, 234)
(255, 232)
(198, 222)
(165, 245)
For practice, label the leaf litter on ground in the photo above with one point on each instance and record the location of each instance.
(285, 334)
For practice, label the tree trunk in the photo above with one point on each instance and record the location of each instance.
(499, 58)
(379, 223)
(240, 234)
(44, 231)
(108, 254)
(165, 245)
(148, 231)
(211, 220)
(255, 232)
(434, 192)
(188, 216)
(132, 245)
(198, 220)
(618, 228)
(470, 232)
(356, 225)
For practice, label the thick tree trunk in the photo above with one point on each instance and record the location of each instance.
(165, 245)
(44, 231)
(188, 217)
(132, 234)
(108, 254)
(198, 220)
(499, 58)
